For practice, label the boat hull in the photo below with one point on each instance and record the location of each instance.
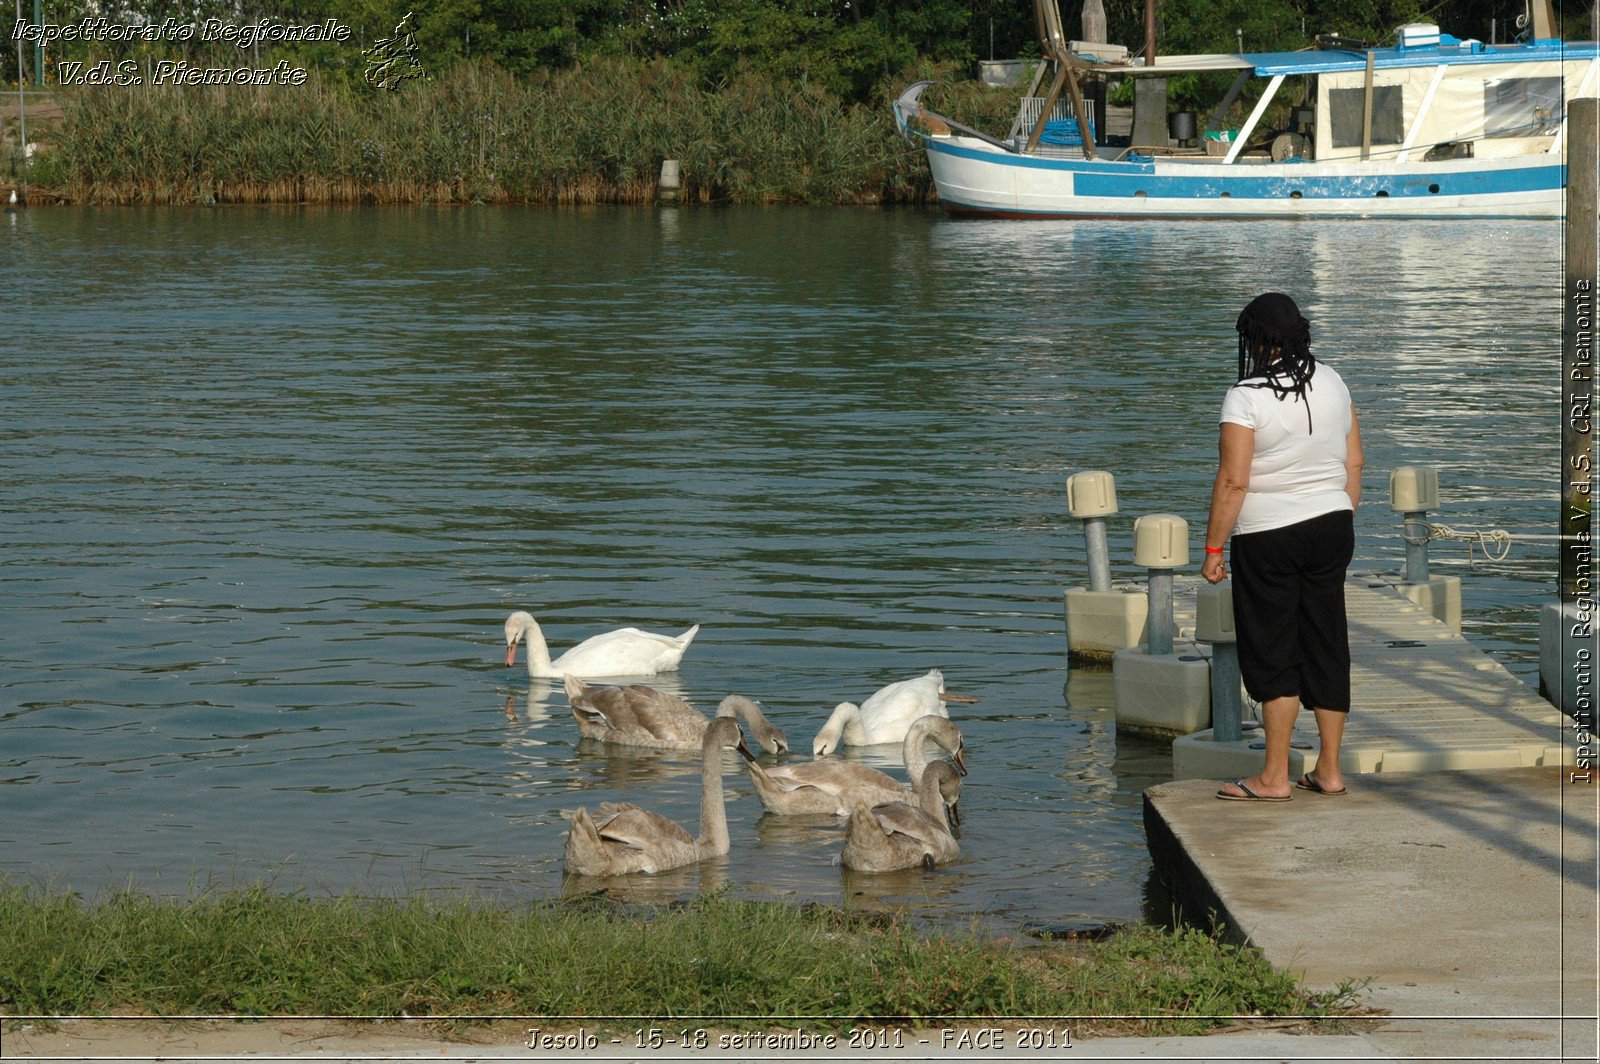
(979, 179)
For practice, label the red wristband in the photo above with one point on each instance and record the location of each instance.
(1214, 550)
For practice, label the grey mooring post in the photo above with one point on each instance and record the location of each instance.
(1416, 547)
(1160, 545)
(1213, 623)
(1092, 497)
(1413, 491)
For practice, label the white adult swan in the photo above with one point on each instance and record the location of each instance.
(622, 838)
(886, 716)
(833, 786)
(625, 652)
(637, 715)
(882, 838)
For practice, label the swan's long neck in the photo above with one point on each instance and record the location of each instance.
(766, 734)
(915, 753)
(843, 716)
(930, 800)
(538, 649)
(713, 811)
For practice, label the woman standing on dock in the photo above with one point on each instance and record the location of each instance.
(1288, 482)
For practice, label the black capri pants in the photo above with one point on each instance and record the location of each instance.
(1288, 610)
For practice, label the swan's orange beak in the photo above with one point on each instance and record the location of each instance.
(948, 697)
(961, 763)
(511, 654)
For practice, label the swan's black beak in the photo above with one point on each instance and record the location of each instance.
(960, 761)
(744, 751)
(954, 809)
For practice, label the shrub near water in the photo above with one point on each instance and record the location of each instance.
(595, 134)
(255, 952)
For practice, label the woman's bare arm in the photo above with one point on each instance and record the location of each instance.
(1235, 448)
(1353, 460)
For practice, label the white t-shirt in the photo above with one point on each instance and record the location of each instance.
(1297, 472)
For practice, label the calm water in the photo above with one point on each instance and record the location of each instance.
(272, 480)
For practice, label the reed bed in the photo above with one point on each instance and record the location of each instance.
(475, 134)
(255, 952)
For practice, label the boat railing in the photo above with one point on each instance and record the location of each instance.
(1028, 114)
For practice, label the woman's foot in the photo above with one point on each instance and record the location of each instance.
(1310, 782)
(1253, 790)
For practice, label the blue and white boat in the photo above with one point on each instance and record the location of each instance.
(1431, 127)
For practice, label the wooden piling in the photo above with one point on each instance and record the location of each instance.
(1578, 647)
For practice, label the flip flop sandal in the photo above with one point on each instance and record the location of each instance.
(1249, 795)
(1308, 783)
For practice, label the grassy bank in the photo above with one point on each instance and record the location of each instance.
(259, 953)
(594, 134)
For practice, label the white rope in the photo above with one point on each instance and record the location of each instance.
(1495, 543)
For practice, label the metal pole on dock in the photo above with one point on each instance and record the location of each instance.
(1091, 498)
(1416, 547)
(1160, 544)
(1213, 623)
(1576, 568)
(1413, 491)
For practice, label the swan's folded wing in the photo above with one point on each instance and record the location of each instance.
(626, 823)
(607, 707)
(664, 716)
(622, 636)
(899, 818)
(835, 777)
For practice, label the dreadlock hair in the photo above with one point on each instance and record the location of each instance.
(1275, 345)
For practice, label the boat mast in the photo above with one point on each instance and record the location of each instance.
(1544, 20)
(1053, 44)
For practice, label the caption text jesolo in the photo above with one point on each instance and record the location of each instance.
(859, 1039)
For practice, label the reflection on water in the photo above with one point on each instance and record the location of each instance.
(276, 478)
(658, 889)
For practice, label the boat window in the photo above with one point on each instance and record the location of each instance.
(1521, 107)
(1388, 115)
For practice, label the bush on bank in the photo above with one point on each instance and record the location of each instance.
(595, 134)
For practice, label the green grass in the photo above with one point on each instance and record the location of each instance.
(595, 134)
(255, 952)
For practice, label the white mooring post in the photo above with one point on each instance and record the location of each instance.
(1157, 688)
(669, 185)
(1100, 620)
(1413, 491)
(1091, 498)
(1160, 545)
